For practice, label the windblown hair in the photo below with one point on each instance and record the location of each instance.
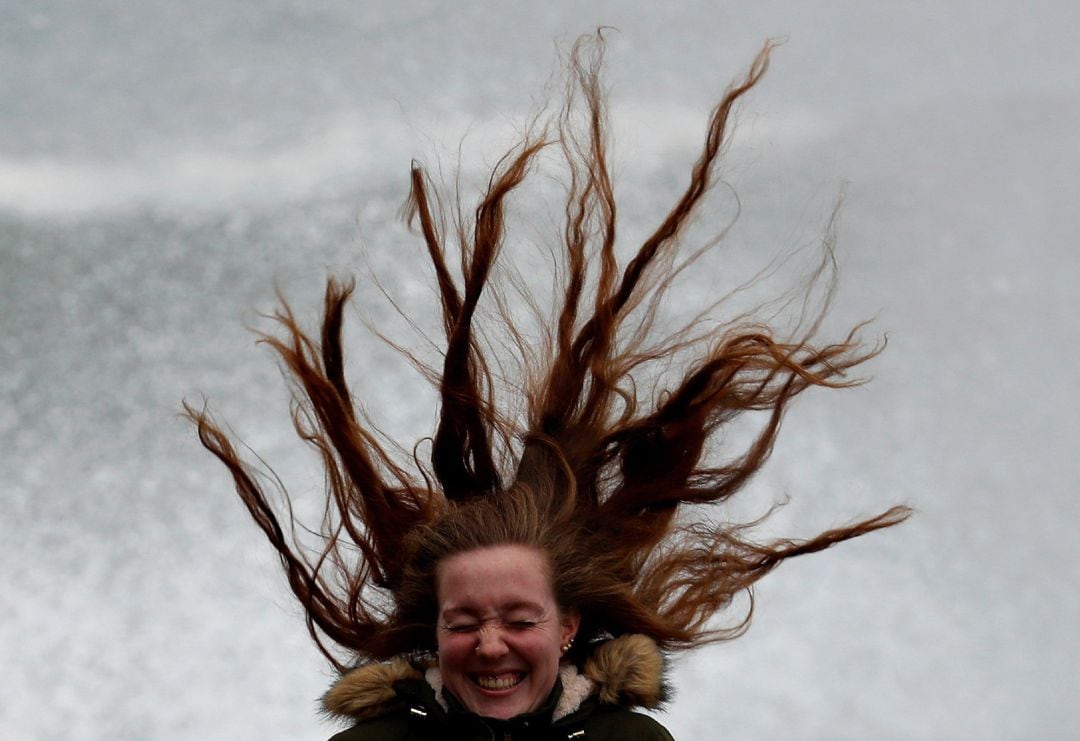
(591, 474)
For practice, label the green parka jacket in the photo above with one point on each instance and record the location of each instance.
(398, 701)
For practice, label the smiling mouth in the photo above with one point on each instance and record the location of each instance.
(498, 682)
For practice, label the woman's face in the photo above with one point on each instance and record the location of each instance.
(499, 629)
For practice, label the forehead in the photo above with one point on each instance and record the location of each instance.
(494, 577)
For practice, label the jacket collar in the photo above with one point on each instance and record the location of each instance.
(627, 671)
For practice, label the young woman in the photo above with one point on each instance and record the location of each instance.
(526, 579)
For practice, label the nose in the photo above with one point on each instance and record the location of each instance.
(490, 643)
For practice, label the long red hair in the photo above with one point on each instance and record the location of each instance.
(594, 472)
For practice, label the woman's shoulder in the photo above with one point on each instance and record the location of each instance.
(393, 727)
(612, 724)
(376, 698)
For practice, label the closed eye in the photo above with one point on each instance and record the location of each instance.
(462, 628)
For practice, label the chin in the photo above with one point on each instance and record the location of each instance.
(500, 711)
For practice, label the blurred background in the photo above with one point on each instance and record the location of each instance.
(164, 165)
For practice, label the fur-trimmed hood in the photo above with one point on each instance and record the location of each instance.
(627, 671)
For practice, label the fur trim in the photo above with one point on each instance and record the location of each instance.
(575, 688)
(628, 670)
(368, 691)
(433, 676)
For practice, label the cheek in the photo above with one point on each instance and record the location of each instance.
(541, 651)
(453, 647)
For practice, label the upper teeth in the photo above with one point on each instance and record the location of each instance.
(497, 682)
